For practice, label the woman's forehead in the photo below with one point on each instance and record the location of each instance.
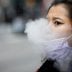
(58, 11)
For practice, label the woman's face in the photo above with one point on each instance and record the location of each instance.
(59, 20)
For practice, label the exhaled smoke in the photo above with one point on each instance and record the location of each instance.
(39, 31)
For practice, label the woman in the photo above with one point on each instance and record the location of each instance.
(58, 48)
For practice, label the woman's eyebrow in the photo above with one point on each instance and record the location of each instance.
(54, 18)
(57, 18)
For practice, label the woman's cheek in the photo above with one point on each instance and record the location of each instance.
(62, 31)
(67, 32)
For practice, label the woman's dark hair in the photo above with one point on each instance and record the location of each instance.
(67, 3)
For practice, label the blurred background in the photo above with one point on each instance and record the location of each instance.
(17, 54)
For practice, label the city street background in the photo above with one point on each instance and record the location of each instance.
(17, 54)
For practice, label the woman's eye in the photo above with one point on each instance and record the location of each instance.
(58, 23)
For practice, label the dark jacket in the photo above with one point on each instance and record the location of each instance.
(48, 66)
